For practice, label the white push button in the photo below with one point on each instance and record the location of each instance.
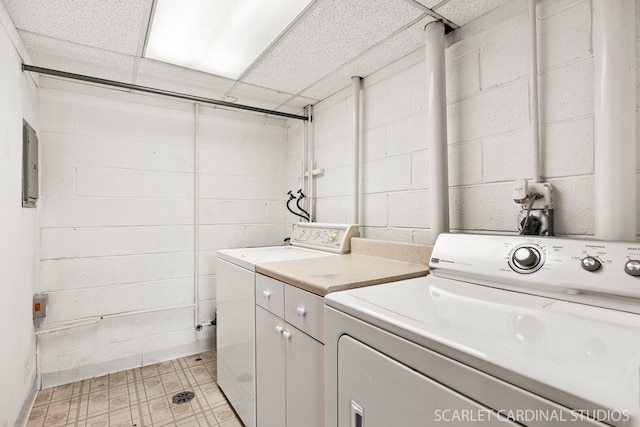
(632, 267)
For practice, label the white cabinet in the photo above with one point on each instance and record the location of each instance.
(270, 369)
(305, 380)
(289, 360)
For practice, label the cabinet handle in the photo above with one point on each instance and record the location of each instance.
(357, 415)
(300, 311)
(286, 334)
(279, 329)
(266, 294)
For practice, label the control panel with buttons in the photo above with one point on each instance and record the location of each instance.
(329, 237)
(600, 269)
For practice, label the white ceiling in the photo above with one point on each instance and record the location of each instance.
(330, 42)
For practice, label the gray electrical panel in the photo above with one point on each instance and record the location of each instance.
(30, 166)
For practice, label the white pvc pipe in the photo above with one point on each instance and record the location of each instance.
(355, 207)
(110, 316)
(196, 217)
(310, 164)
(306, 172)
(65, 327)
(436, 134)
(533, 98)
(614, 119)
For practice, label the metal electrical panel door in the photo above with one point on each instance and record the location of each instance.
(30, 166)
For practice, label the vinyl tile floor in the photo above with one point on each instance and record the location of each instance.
(141, 397)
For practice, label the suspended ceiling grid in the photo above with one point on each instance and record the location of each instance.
(330, 42)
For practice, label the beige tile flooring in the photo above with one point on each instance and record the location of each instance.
(139, 397)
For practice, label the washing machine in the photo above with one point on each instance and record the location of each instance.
(506, 330)
(235, 303)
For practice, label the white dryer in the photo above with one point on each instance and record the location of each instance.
(504, 331)
(235, 302)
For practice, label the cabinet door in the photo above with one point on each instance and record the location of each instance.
(270, 370)
(305, 379)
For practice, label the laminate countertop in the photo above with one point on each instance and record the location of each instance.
(370, 262)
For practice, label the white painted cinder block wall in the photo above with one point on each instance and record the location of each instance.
(488, 129)
(118, 230)
(18, 235)
(118, 172)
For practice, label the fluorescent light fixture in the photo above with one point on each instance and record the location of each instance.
(221, 37)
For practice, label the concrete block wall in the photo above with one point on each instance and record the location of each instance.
(118, 222)
(488, 129)
(295, 154)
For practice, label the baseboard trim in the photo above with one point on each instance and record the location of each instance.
(23, 416)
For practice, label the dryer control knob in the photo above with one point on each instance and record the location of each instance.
(632, 267)
(591, 263)
(526, 257)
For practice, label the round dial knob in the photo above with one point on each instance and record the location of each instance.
(632, 267)
(591, 263)
(526, 257)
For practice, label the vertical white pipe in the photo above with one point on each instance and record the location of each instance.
(614, 119)
(196, 216)
(355, 209)
(304, 177)
(533, 96)
(436, 136)
(310, 164)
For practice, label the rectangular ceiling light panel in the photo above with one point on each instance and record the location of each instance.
(221, 37)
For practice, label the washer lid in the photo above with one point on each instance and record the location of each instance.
(249, 257)
(582, 356)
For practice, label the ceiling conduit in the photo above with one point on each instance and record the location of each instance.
(614, 119)
(436, 136)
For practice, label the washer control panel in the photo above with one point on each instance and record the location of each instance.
(566, 265)
(328, 237)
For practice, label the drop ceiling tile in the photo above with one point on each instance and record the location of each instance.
(301, 101)
(296, 104)
(169, 77)
(329, 36)
(74, 58)
(113, 25)
(291, 109)
(461, 12)
(427, 3)
(371, 61)
(258, 96)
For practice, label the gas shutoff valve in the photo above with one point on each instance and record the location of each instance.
(523, 192)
